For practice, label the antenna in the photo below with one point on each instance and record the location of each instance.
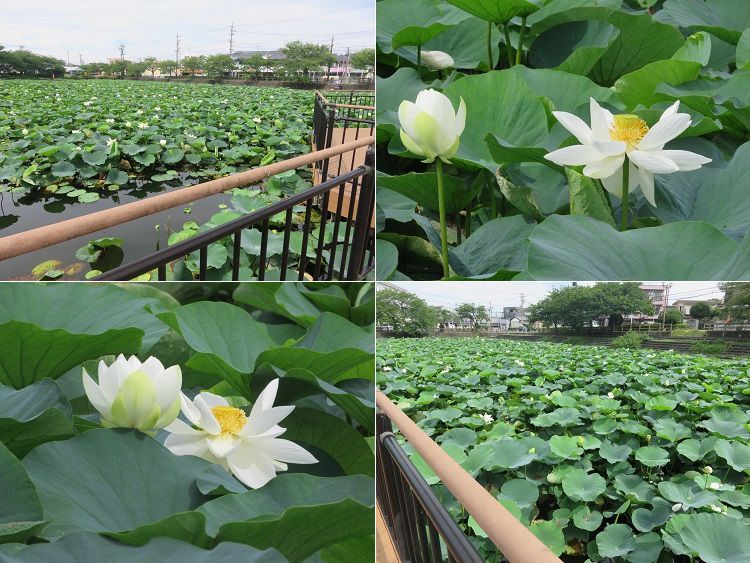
(523, 300)
(177, 51)
(231, 38)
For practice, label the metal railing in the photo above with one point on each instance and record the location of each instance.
(420, 526)
(417, 539)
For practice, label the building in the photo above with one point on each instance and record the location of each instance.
(684, 305)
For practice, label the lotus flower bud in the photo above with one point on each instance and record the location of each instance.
(131, 394)
(552, 478)
(708, 470)
(437, 60)
(430, 127)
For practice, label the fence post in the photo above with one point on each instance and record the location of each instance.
(365, 207)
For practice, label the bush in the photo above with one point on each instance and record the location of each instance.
(688, 332)
(575, 340)
(632, 340)
(713, 347)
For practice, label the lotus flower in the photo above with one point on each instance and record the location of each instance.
(611, 138)
(430, 127)
(246, 445)
(131, 394)
(437, 60)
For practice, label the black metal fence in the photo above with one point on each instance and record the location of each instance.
(421, 528)
(347, 254)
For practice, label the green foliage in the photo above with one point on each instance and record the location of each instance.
(25, 63)
(193, 63)
(700, 310)
(219, 65)
(632, 340)
(628, 455)
(364, 59)
(76, 492)
(301, 58)
(670, 317)
(475, 314)
(711, 347)
(736, 300)
(406, 313)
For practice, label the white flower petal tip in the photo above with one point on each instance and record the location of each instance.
(131, 394)
(611, 138)
(246, 445)
(430, 127)
(437, 60)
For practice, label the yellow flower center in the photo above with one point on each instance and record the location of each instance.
(231, 419)
(629, 129)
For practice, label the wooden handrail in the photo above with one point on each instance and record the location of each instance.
(511, 537)
(48, 235)
(354, 106)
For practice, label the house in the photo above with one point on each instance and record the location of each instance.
(73, 70)
(684, 305)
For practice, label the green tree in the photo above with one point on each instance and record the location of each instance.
(701, 311)
(135, 69)
(25, 63)
(302, 58)
(151, 64)
(167, 67)
(257, 63)
(364, 59)
(670, 317)
(118, 67)
(193, 64)
(219, 65)
(406, 313)
(736, 300)
(475, 314)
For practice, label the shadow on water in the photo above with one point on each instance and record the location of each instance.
(141, 236)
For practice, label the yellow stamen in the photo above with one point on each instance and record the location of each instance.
(629, 129)
(231, 419)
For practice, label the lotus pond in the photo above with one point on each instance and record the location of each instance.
(71, 147)
(606, 455)
(524, 79)
(196, 422)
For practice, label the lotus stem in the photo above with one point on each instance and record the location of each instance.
(520, 40)
(491, 59)
(443, 225)
(419, 59)
(625, 193)
(493, 203)
(506, 31)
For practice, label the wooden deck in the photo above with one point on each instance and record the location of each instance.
(385, 551)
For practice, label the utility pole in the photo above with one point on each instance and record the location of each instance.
(80, 59)
(328, 76)
(231, 38)
(523, 301)
(177, 52)
(122, 51)
(348, 71)
(68, 54)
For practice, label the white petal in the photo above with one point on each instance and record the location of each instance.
(208, 420)
(686, 160)
(251, 467)
(407, 115)
(671, 110)
(153, 367)
(265, 420)
(575, 125)
(601, 120)
(438, 105)
(190, 411)
(96, 395)
(177, 426)
(613, 183)
(667, 128)
(604, 167)
(286, 451)
(575, 155)
(213, 400)
(168, 385)
(265, 399)
(460, 123)
(222, 444)
(653, 161)
(187, 444)
(647, 185)
(610, 148)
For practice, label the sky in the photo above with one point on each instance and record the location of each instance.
(508, 294)
(94, 29)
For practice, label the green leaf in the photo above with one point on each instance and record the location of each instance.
(586, 519)
(736, 454)
(422, 188)
(20, 499)
(172, 156)
(645, 520)
(639, 87)
(48, 329)
(615, 541)
(550, 534)
(714, 538)
(580, 485)
(496, 11)
(188, 527)
(63, 169)
(387, 261)
(587, 198)
(614, 453)
(577, 247)
(726, 19)
(565, 447)
(94, 158)
(118, 177)
(74, 479)
(400, 24)
(89, 197)
(524, 493)
(34, 415)
(743, 51)
(689, 494)
(573, 47)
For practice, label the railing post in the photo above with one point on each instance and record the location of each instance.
(365, 207)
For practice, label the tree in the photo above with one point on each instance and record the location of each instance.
(700, 311)
(736, 300)
(257, 63)
(670, 317)
(301, 58)
(167, 67)
(406, 313)
(25, 63)
(192, 64)
(152, 65)
(364, 59)
(118, 67)
(219, 65)
(475, 314)
(135, 69)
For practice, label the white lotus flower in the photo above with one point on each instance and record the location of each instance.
(257, 119)
(131, 394)
(430, 127)
(163, 142)
(110, 141)
(86, 103)
(24, 131)
(611, 138)
(139, 112)
(708, 470)
(109, 120)
(716, 508)
(437, 60)
(76, 131)
(143, 125)
(714, 486)
(611, 395)
(487, 417)
(128, 124)
(246, 445)
(677, 507)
